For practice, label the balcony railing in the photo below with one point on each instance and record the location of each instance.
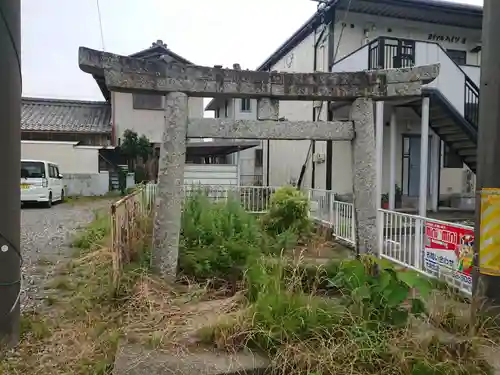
(389, 53)
(392, 53)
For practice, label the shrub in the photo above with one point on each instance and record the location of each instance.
(289, 211)
(217, 239)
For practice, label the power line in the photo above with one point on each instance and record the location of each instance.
(100, 24)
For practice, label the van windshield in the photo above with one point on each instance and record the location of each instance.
(32, 169)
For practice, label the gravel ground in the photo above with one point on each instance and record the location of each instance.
(45, 239)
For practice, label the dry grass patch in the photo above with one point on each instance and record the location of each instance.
(304, 331)
(86, 317)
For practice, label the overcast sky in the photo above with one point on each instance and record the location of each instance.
(206, 32)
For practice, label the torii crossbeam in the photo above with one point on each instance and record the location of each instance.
(178, 81)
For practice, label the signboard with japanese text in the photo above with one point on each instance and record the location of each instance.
(449, 251)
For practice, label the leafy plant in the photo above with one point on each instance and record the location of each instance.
(289, 210)
(217, 239)
(379, 292)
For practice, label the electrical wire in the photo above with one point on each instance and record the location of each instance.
(20, 281)
(100, 25)
(318, 115)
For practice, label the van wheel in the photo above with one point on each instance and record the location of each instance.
(62, 196)
(48, 204)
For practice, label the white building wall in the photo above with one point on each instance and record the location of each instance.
(79, 165)
(286, 158)
(210, 174)
(248, 170)
(145, 121)
(352, 32)
(69, 157)
(359, 29)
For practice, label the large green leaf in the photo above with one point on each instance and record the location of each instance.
(396, 294)
(416, 281)
(385, 280)
(361, 293)
(355, 273)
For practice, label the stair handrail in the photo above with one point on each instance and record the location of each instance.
(113, 165)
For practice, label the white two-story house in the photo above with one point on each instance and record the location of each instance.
(354, 35)
(250, 160)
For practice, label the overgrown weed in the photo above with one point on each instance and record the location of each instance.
(78, 331)
(93, 235)
(356, 316)
(365, 327)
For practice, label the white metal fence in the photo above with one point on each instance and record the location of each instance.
(256, 199)
(435, 248)
(432, 247)
(339, 216)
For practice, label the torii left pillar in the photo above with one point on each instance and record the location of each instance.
(167, 225)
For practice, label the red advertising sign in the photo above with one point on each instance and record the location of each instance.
(449, 247)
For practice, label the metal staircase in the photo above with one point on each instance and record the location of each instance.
(458, 131)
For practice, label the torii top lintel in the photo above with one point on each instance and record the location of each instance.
(128, 74)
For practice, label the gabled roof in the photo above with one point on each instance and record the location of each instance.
(158, 50)
(70, 116)
(430, 11)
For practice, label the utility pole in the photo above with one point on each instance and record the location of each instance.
(10, 154)
(486, 273)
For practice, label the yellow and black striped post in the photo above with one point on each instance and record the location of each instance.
(489, 232)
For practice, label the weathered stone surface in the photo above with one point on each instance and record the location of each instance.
(364, 175)
(167, 223)
(131, 74)
(268, 109)
(136, 360)
(251, 129)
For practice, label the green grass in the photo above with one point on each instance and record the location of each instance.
(347, 326)
(78, 330)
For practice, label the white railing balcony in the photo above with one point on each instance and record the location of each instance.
(453, 81)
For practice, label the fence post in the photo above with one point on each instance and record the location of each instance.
(309, 198)
(332, 206)
(353, 226)
(418, 242)
(380, 232)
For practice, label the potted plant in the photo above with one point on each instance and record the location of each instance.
(385, 201)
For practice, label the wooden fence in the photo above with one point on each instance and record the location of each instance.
(130, 218)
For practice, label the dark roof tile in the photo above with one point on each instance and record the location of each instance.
(39, 114)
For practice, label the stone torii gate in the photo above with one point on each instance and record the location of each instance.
(177, 82)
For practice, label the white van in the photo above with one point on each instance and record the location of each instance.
(41, 182)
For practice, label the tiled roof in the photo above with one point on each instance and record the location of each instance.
(65, 116)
